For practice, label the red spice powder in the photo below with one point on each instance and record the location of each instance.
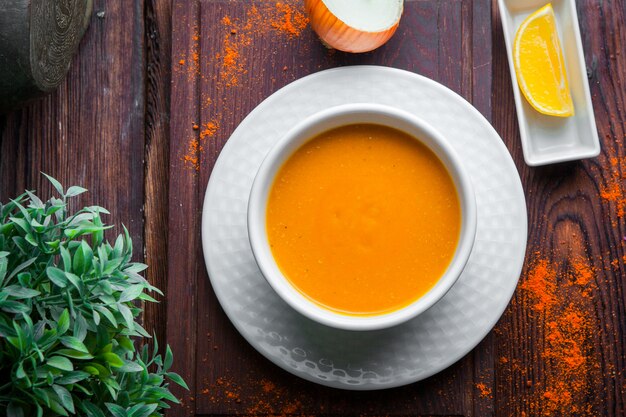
(583, 272)
(562, 301)
(268, 386)
(484, 391)
(289, 20)
(285, 19)
(209, 130)
(541, 284)
(263, 397)
(231, 67)
(191, 157)
(189, 61)
(195, 147)
(613, 190)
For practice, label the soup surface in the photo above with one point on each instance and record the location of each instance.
(363, 219)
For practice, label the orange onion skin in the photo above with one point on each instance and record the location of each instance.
(336, 34)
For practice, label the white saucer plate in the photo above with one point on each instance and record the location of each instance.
(379, 359)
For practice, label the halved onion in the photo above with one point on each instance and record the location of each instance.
(354, 25)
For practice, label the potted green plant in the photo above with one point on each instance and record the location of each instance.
(68, 304)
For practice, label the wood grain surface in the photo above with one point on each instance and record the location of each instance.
(570, 222)
(121, 125)
(91, 130)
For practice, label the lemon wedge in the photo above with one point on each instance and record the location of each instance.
(539, 65)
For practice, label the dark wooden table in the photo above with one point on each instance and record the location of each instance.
(123, 122)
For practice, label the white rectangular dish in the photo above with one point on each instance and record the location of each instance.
(548, 139)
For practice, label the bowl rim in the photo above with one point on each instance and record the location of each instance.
(306, 130)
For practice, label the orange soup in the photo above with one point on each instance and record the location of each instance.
(363, 219)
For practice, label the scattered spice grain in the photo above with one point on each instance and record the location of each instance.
(289, 20)
(613, 191)
(483, 390)
(286, 19)
(266, 397)
(560, 298)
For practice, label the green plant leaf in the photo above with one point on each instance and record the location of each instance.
(56, 207)
(96, 317)
(146, 297)
(21, 267)
(22, 224)
(35, 202)
(31, 239)
(65, 397)
(102, 371)
(21, 337)
(14, 307)
(116, 410)
(57, 276)
(80, 327)
(73, 343)
(118, 248)
(142, 410)
(75, 281)
(54, 245)
(37, 227)
(63, 324)
(136, 267)
(61, 363)
(74, 191)
(14, 410)
(72, 377)
(91, 370)
(56, 184)
(74, 354)
(177, 379)
(67, 259)
(82, 258)
(25, 213)
(20, 292)
(139, 330)
(43, 396)
(105, 287)
(112, 386)
(113, 360)
(131, 293)
(107, 313)
(91, 410)
(4, 262)
(25, 279)
(159, 393)
(47, 338)
(130, 366)
(57, 407)
(19, 373)
(126, 343)
(128, 316)
(168, 358)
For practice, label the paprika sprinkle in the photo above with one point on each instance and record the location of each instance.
(560, 296)
(285, 19)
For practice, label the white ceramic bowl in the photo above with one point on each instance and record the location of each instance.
(308, 129)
